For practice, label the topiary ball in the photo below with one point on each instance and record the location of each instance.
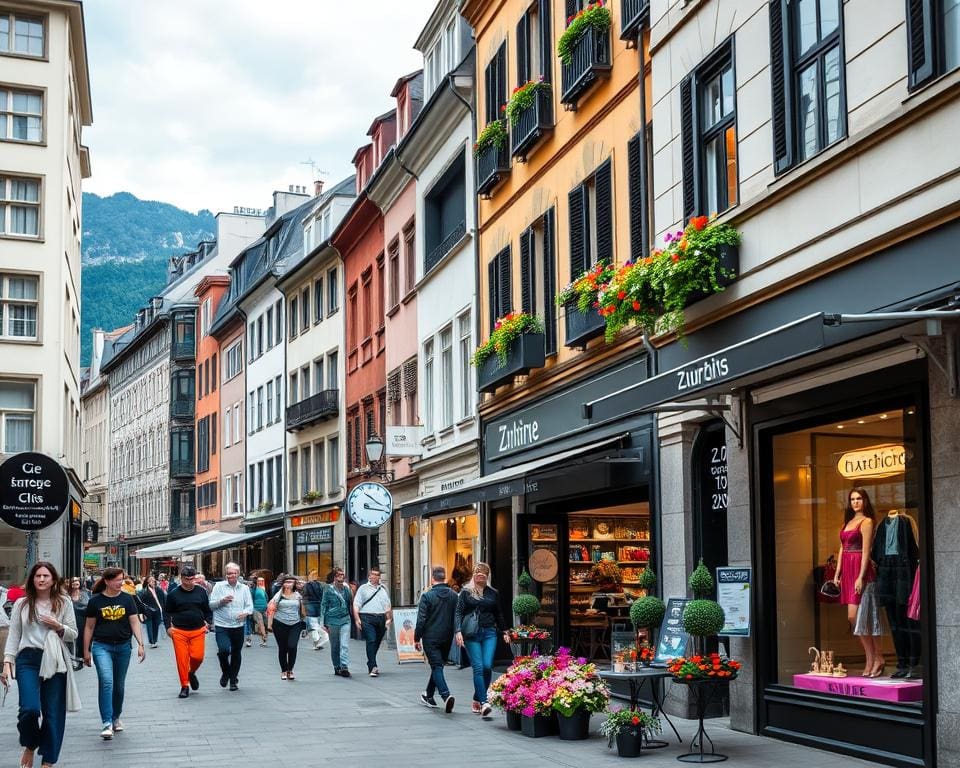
(525, 581)
(648, 578)
(647, 612)
(700, 582)
(526, 605)
(703, 618)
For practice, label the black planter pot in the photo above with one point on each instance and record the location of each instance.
(526, 353)
(538, 726)
(514, 720)
(574, 728)
(728, 270)
(582, 326)
(630, 743)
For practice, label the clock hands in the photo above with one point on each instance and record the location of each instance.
(375, 507)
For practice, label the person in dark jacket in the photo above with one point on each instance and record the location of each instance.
(433, 635)
(154, 599)
(480, 599)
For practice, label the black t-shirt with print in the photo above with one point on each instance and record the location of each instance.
(113, 617)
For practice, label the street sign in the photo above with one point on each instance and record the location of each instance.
(33, 491)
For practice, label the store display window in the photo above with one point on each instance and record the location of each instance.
(313, 551)
(453, 544)
(847, 517)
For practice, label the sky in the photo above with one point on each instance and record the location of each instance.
(217, 103)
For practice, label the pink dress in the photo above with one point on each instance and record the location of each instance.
(852, 543)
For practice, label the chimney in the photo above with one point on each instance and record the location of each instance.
(290, 188)
(318, 188)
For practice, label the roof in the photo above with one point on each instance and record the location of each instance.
(403, 80)
(384, 118)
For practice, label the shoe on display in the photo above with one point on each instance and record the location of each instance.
(448, 702)
(901, 672)
(194, 683)
(107, 733)
(428, 701)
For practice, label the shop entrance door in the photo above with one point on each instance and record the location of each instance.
(363, 553)
(544, 558)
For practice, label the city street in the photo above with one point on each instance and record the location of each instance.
(319, 719)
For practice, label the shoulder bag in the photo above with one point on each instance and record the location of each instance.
(470, 623)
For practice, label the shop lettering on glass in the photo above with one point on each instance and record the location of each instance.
(519, 434)
(875, 462)
(718, 475)
(709, 370)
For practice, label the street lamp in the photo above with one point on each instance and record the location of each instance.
(374, 449)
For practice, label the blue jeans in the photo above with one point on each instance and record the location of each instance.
(153, 627)
(46, 698)
(111, 661)
(481, 648)
(373, 626)
(340, 646)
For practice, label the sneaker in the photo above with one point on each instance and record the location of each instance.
(485, 710)
(224, 678)
(107, 733)
(153, 645)
(448, 702)
(344, 672)
(117, 725)
(194, 683)
(247, 643)
(184, 693)
(234, 686)
(375, 672)
(475, 707)
(428, 701)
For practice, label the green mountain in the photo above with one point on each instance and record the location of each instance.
(127, 244)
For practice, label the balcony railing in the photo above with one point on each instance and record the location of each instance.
(633, 13)
(445, 246)
(184, 350)
(182, 409)
(535, 122)
(181, 468)
(493, 166)
(589, 60)
(319, 407)
(182, 525)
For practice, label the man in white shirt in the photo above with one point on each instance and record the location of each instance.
(374, 612)
(231, 603)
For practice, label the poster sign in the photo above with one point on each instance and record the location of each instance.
(91, 531)
(33, 491)
(733, 594)
(91, 561)
(404, 624)
(403, 441)
(673, 637)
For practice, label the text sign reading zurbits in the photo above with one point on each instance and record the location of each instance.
(33, 491)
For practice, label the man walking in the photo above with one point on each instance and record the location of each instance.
(189, 610)
(336, 609)
(231, 604)
(434, 633)
(374, 612)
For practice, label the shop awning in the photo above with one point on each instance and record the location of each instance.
(500, 485)
(227, 540)
(175, 547)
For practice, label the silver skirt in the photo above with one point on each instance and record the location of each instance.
(868, 613)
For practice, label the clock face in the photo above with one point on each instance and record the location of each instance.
(370, 505)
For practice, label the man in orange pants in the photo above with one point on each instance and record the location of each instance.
(189, 611)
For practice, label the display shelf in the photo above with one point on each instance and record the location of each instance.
(618, 562)
(602, 541)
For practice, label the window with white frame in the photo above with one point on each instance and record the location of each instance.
(305, 458)
(269, 402)
(466, 367)
(428, 386)
(236, 421)
(205, 317)
(21, 115)
(277, 388)
(319, 467)
(17, 414)
(19, 206)
(21, 34)
(233, 360)
(226, 428)
(19, 301)
(446, 376)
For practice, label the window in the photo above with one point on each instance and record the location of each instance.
(252, 416)
(205, 317)
(269, 402)
(259, 407)
(237, 496)
(19, 206)
(333, 450)
(410, 389)
(498, 286)
(294, 388)
(368, 309)
(305, 459)
(538, 274)
(270, 336)
(933, 39)
(318, 300)
(203, 444)
(293, 474)
(332, 371)
(535, 44)
(17, 408)
(251, 342)
(27, 37)
(304, 382)
(278, 473)
(318, 375)
(428, 386)
(294, 317)
(227, 496)
(809, 104)
(409, 258)
(333, 297)
(19, 302)
(213, 432)
(181, 451)
(214, 372)
(260, 346)
(445, 213)
(446, 376)
(236, 422)
(278, 314)
(21, 115)
(319, 468)
(226, 428)
(708, 113)
(464, 334)
(393, 276)
(495, 85)
(305, 309)
(278, 389)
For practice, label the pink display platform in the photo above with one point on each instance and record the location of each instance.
(883, 688)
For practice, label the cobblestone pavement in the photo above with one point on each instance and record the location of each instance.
(320, 720)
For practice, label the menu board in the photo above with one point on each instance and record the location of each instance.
(673, 639)
(733, 594)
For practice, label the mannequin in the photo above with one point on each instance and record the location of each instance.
(896, 552)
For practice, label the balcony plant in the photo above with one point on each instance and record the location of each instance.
(584, 289)
(523, 98)
(493, 135)
(630, 296)
(506, 331)
(264, 506)
(312, 496)
(595, 15)
(628, 728)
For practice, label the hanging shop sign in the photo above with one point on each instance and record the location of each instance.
(733, 594)
(91, 531)
(33, 491)
(403, 441)
(875, 462)
(91, 561)
(543, 565)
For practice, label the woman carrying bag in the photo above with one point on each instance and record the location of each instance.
(285, 619)
(477, 621)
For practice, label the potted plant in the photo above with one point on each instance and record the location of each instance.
(526, 607)
(493, 135)
(523, 98)
(264, 506)
(490, 154)
(628, 728)
(711, 666)
(596, 16)
(578, 692)
(702, 617)
(514, 347)
(512, 692)
(312, 496)
(630, 297)
(606, 574)
(579, 298)
(647, 612)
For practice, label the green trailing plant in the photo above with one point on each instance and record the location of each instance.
(647, 612)
(525, 581)
(700, 581)
(628, 721)
(595, 15)
(630, 296)
(526, 606)
(584, 289)
(522, 98)
(505, 332)
(312, 496)
(493, 135)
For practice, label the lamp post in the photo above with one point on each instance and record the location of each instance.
(374, 449)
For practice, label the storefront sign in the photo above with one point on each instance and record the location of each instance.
(91, 561)
(543, 565)
(33, 491)
(314, 536)
(327, 516)
(874, 463)
(673, 637)
(403, 441)
(91, 532)
(404, 625)
(733, 594)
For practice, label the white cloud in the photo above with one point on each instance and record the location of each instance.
(216, 103)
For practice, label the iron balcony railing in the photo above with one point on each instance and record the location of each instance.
(446, 245)
(182, 409)
(184, 350)
(535, 122)
(633, 13)
(318, 407)
(181, 468)
(182, 524)
(589, 60)
(493, 165)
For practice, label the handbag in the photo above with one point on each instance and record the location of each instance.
(470, 625)
(829, 592)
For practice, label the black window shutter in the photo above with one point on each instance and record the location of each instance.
(547, 54)
(489, 90)
(688, 154)
(501, 79)
(578, 235)
(920, 40)
(638, 196)
(523, 50)
(780, 75)
(528, 273)
(492, 291)
(549, 282)
(603, 182)
(503, 285)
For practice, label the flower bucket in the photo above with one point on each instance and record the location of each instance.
(574, 728)
(630, 742)
(514, 720)
(538, 726)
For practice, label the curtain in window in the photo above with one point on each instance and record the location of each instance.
(18, 433)
(14, 394)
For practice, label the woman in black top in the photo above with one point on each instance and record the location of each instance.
(480, 599)
(112, 619)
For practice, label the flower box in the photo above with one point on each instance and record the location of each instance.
(728, 271)
(538, 726)
(525, 354)
(582, 326)
(514, 720)
(493, 166)
(633, 13)
(589, 61)
(530, 125)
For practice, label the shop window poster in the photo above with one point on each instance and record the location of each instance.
(733, 594)
(404, 624)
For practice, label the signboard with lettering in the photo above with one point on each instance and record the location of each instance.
(875, 462)
(673, 638)
(91, 561)
(403, 441)
(33, 491)
(314, 536)
(733, 594)
(327, 516)
(91, 531)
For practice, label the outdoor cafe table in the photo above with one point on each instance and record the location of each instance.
(656, 676)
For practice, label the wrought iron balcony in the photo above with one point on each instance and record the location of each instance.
(182, 525)
(589, 61)
(525, 354)
(182, 409)
(535, 122)
(633, 13)
(493, 166)
(181, 468)
(446, 245)
(185, 350)
(319, 407)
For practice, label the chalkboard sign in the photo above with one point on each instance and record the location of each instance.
(673, 639)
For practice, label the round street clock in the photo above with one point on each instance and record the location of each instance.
(370, 505)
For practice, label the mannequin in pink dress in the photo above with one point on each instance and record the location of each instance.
(855, 571)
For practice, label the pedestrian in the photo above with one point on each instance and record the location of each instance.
(232, 604)
(337, 616)
(434, 633)
(374, 614)
(313, 597)
(286, 622)
(259, 595)
(111, 619)
(154, 599)
(79, 596)
(478, 599)
(188, 607)
(41, 623)
(163, 583)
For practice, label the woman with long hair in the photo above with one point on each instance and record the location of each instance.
(112, 619)
(258, 591)
(79, 596)
(154, 600)
(479, 599)
(286, 623)
(42, 664)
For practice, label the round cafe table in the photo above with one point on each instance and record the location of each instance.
(636, 679)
